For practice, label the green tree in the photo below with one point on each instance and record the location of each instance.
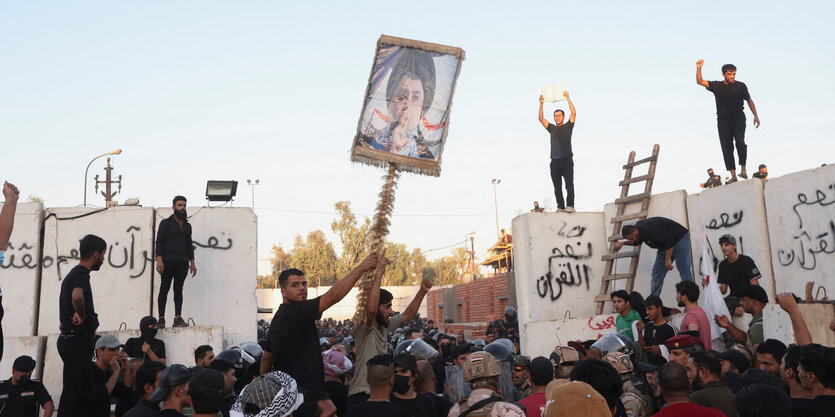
(316, 257)
(352, 235)
(268, 281)
(281, 260)
(462, 258)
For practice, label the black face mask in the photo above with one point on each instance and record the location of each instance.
(401, 384)
(446, 350)
(147, 333)
(24, 379)
(181, 214)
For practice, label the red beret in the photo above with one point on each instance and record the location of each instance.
(680, 341)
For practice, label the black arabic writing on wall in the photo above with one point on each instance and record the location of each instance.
(565, 268)
(808, 245)
(725, 221)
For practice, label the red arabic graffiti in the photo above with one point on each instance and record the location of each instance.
(608, 323)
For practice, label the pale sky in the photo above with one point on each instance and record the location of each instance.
(200, 90)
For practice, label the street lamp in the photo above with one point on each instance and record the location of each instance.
(496, 182)
(116, 152)
(253, 184)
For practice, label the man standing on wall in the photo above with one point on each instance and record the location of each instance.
(672, 241)
(562, 162)
(78, 323)
(730, 118)
(175, 257)
(293, 338)
(11, 194)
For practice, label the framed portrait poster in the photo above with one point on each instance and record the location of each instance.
(405, 112)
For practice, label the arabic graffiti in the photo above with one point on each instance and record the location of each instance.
(27, 260)
(568, 252)
(573, 232)
(820, 244)
(820, 198)
(564, 275)
(212, 243)
(724, 221)
(607, 323)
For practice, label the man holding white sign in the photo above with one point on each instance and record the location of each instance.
(562, 163)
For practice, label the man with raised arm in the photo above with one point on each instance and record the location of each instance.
(730, 119)
(380, 320)
(293, 338)
(10, 194)
(562, 162)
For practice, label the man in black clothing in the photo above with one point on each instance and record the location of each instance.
(730, 118)
(102, 378)
(654, 333)
(817, 373)
(404, 394)
(672, 241)
(293, 338)
(147, 381)
(203, 356)
(562, 163)
(173, 391)
(146, 347)
(737, 272)
(380, 378)
(78, 323)
(206, 393)
(175, 257)
(20, 395)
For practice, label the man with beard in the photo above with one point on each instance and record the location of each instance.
(703, 369)
(380, 318)
(146, 346)
(78, 323)
(695, 318)
(175, 257)
(672, 242)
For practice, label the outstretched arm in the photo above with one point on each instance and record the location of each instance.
(373, 302)
(699, 79)
(754, 110)
(341, 288)
(570, 107)
(413, 307)
(11, 194)
(541, 118)
(789, 305)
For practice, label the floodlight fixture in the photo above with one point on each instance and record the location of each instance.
(221, 190)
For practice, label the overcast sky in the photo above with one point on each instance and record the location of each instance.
(200, 90)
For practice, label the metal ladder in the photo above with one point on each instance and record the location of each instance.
(621, 216)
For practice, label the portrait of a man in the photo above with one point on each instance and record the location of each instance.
(406, 109)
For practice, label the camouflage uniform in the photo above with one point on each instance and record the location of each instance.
(482, 365)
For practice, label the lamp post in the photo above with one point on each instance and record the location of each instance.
(496, 182)
(116, 152)
(252, 184)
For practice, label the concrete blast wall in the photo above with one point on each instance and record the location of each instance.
(20, 276)
(670, 205)
(222, 293)
(786, 224)
(122, 287)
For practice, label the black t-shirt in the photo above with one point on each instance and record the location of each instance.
(97, 398)
(442, 405)
(738, 275)
(143, 408)
(78, 277)
(660, 232)
(657, 335)
(729, 97)
(339, 395)
(561, 139)
(294, 343)
(820, 406)
(133, 347)
(421, 405)
(22, 400)
(378, 409)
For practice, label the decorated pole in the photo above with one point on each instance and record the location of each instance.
(378, 233)
(403, 125)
